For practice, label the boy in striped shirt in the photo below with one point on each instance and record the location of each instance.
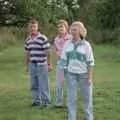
(36, 61)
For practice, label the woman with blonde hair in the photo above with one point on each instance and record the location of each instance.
(77, 59)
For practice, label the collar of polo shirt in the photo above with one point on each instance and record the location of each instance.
(35, 35)
(80, 42)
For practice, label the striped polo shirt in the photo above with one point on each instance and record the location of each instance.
(37, 48)
(77, 58)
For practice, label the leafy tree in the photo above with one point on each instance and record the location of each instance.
(108, 14)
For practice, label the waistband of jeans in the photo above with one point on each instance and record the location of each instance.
(36, 63)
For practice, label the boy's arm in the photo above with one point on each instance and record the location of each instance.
(49, 60)
(26, 61)
(47, 48)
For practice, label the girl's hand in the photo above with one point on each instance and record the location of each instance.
(49, 67)
(89, 81)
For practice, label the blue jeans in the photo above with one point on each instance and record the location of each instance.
(39, 83)
(86, 93)
(59, 87)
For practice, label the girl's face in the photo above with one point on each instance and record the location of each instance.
(61, 29)
(75, 31)
(33, 28)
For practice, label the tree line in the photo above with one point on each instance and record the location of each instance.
(101, 16)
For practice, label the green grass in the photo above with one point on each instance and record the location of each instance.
(15, 94)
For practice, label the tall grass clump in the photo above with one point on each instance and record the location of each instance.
(11, 36)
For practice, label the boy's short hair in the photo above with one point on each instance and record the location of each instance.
(34, 21)
(64, 22)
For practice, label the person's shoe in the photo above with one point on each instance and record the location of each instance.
(35, 104)
(48, 106)
(59, 106)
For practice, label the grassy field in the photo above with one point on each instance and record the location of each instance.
(15, 95)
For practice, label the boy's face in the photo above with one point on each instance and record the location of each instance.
(75, 31)
(61, 29)
(33, 28)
